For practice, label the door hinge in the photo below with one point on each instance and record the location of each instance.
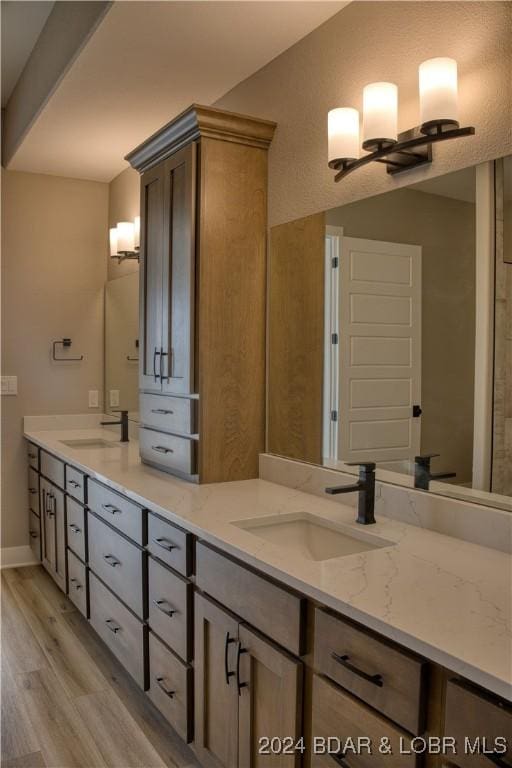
(334, 338)
(335, 262)
(334, 415)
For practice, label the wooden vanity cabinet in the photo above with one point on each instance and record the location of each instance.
(53, 524)
(247, 690)
(203, 263)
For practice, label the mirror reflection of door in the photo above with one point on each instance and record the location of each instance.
(121, 344)
(377, 381)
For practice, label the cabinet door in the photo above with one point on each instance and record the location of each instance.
(54, 532)
(178, 271)
(47, 525)
(216, 698)
(270, 702)
(150, 288)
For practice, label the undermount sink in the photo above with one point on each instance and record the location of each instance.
(90, 443)
(312, 537)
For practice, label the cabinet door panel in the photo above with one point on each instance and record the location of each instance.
(270, 702)
(151, 255)
(53, 523)
(178, 271)
(216, 699)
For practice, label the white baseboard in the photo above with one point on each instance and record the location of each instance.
(16, 557)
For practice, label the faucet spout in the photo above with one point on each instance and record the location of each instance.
(365, 486)
(123, 423)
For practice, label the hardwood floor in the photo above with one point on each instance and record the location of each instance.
(66, 702)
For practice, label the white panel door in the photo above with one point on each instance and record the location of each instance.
(380, 351)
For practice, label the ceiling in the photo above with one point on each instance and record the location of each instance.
(22, 23)
(146, 62)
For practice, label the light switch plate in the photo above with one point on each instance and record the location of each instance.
(9, 385)
(93, 398)
(114, 398)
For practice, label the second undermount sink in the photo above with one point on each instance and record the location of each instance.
(312, 537)
(90, 443)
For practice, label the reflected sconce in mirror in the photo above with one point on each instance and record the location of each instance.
(380, 139)
(125, 240)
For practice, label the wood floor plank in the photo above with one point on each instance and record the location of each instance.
(170, 747)
(116, 734)
(69, 660)
(20, 650)
(34, 760)
(53, 594)
(16, 732)
(63, 738)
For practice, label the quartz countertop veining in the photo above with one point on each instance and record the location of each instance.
(444, 598)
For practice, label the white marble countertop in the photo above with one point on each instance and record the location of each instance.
(444, 598)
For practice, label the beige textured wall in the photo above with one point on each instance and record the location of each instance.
(370, 41)
(53, 273)
(445, 229)
(124, 205)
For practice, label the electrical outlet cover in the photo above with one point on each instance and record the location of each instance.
(114, 398)
(93, 398)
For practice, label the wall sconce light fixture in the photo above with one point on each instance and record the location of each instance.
(125, 240)
(398, 151)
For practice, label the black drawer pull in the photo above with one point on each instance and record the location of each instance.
(345, 662)
(339, 759)
(32, 491)
(160, 683)
(111, 509)
(75, 528)
(239, 685)
(76, 584)
(74, 483)
(111, 560)
(32, 456)
(227, 673)
(498, 760)
(161, 449)
(162, 412)
(50, 513)
(34, 535)
(170, 611)
(112, 626)
(165, 543)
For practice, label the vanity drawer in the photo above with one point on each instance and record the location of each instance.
(118, 628)
(167, 451)
(77, 583)
(52, 468)
(169, 607)
(276, 611)
(33, 455)
(76, 528)
(337, 714)
(399, 693)
(170, 414)
(33, 491)
(34, 531)
(75, 483)
(117, 562)
(473, 715)
(170, 687)
(170, 544)
(119, 511)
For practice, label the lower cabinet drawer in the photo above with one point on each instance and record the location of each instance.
(388, 678)
(341, 724)
(119, 511)
(170, 687)
(77, 583)
(33, 491)
(52, 468)
(177, 454)
(122, 632)
(117, 562)
(75, 483)
(171, 544)
(170, 414)
(76, 527)
(169, 607)
(34, 531)
(33, 456)
(474, 718)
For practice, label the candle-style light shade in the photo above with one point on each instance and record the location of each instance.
(438, 94)
(136, 232)
(113, 241)
(125, 236)
(380, 115)
(343, 134)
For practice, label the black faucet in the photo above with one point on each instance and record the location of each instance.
(366, 489)
(422, 473)
(123, 423)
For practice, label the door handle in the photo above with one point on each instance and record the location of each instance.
(33, 535)
(32, 491)
(74, 483)
(52, 503)
(162, 355)
(169, 611)
(161, 449)
(75, 528)
(115, 628)
(76, 584)
(165, 544)
(155, 374)
(162, 412)
(345, 662)
(111, 560)
(239, 652)
(227, 673)
(160, 683)
(111, 509)
(416, 411)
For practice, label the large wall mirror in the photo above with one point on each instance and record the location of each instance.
(376, 341)
(122, 344)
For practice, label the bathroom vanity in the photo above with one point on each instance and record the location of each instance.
(257, 652)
